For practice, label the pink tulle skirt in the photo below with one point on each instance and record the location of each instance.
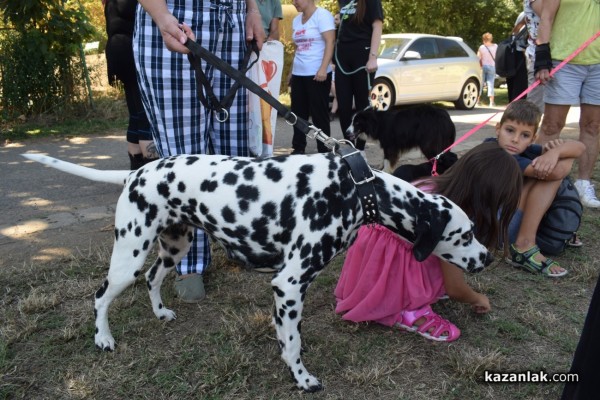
(381, 278)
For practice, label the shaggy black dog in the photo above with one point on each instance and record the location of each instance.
(412, 172)
(425, 127)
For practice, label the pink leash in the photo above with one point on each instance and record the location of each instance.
(529, 89)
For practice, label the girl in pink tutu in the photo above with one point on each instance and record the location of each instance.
(381, 281)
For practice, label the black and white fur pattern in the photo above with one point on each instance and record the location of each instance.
(425, 127)
(294, 213)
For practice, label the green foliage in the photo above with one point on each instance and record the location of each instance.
(468, 19)
(39, 50)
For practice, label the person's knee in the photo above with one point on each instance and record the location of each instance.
(590, 126)
(551, 127)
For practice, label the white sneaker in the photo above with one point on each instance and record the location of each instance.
(587, 194)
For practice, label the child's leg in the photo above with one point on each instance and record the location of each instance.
(536, 198)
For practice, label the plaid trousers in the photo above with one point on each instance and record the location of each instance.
(179, 122)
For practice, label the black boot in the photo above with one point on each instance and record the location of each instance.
(136, 161)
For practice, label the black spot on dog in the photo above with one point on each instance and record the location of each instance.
(230, 179)
(181, 187)
(191, 160)
(247, 192)
(174, 202)
(208, 186)
(136, 253)
(169, 263)
(249, 174)
(273, 173)
(228, 215)
(269, 210)
(302, 185)
(100, 292)
(151, 214)
(138, 231)
(278, 291)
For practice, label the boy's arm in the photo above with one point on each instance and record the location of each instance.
(545, 166)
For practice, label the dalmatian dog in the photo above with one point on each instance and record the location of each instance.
(294, 213)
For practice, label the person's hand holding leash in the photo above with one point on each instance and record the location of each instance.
(543, 62)
(173, 33)
(371, 65)
(254, 28)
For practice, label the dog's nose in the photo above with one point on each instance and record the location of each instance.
(489, 259)
(350, 133)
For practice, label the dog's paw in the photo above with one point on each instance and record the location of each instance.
(165, 314)
(310, 384)
(104, 342)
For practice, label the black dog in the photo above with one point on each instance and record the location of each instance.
(412, 172)
(425, 127)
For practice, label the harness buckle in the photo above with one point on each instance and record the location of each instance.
(366, 180)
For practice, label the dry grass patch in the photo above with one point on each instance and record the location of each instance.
(225, 346)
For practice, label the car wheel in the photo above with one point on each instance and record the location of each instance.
(468, 95)
(383, 95)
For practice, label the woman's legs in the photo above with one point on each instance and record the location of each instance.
(318, 104)
(300, 106)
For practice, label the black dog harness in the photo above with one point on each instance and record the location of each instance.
(360, 172)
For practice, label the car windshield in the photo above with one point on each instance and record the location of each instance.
(391, 47)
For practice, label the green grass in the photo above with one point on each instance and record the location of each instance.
(225, 347)
(109, 113)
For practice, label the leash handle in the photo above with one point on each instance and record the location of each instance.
(210, 100)
(200, 52)
(524, 93)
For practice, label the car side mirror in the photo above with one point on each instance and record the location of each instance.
(411, 55)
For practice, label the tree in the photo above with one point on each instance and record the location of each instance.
(40, 49)
(468, 19)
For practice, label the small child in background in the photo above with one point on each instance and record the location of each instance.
(382, 281)
(544, 168)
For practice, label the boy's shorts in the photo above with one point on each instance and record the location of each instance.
(574, 84)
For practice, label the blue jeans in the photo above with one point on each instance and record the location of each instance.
(489, 76)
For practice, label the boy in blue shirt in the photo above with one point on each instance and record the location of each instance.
(544, 168)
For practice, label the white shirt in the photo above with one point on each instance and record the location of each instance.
(310, 45)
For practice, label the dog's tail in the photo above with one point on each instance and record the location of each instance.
(117, 176)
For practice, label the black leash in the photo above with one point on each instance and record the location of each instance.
(210, 101)
(198, 52)
(360, 172)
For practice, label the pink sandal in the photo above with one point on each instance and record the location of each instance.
(434, 328)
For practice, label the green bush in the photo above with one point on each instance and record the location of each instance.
(34, 79)
(40, 55)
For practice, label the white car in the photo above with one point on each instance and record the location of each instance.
(419, 68)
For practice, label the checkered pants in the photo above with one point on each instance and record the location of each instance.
(180, 124)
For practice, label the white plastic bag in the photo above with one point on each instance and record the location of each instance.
(262, 117)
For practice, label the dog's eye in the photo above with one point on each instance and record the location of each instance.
(468, 237)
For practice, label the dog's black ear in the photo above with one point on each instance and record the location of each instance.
(429, 230)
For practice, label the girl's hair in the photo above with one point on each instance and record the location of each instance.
(524, 112)
(487, 37)
(486, 183)
(361, 9)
